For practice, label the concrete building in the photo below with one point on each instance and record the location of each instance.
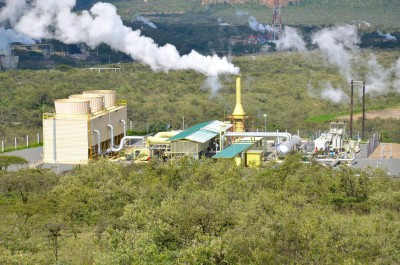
(83, 126)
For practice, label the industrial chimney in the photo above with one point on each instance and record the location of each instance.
(237, 116)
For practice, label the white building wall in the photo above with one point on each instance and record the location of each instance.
(65, 141)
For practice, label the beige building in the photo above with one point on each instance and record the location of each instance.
(83, 126)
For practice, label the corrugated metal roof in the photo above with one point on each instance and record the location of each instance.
(233, 150)
(201, 136)
(201, 132)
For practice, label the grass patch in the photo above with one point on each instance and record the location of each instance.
(323, 118)
(21, 147)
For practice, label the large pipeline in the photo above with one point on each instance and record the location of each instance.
(288, 136)
(112, 134)
(283, 149)
(123, 140)
(124, 122)
(98, 141)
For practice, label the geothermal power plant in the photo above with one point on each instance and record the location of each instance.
(93, 124)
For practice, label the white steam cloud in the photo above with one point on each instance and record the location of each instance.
(378, 78)
(335, 95)
(8, 36)
(145, 21)
(338, 45)
(254, 25)
(397, 76)
(55, 19)
(213, 84)
(291, 41)
(387, 36)
(241, 13)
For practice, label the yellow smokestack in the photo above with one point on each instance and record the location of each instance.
(238, 111)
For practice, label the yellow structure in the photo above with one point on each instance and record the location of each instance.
(83, 125)
(159, 144)
(238, 115)
(254, 158)
(246, 151)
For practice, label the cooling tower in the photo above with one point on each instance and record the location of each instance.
(96, 101)
(109, 96)
(72, 106)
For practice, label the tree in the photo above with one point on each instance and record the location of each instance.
(6, 161)
(28, 181)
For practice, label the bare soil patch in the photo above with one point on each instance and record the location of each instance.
(384, 148)
(372, 114)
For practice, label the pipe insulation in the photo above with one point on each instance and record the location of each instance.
(288, 136)
(123, 140)
(112, 134)
(124, 122)
(98, 141)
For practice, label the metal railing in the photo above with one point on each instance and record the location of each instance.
(372, 144)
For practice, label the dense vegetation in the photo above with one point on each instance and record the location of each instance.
(200, 212)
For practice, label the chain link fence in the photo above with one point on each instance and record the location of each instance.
(372, 143)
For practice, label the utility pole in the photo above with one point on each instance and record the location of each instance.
(351, 109)
(363, 112)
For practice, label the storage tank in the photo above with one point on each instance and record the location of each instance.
(96, 101)
(109, 96)
(286, 147)
(72, 106)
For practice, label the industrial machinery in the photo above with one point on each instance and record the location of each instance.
(244, 146)
(332, 147)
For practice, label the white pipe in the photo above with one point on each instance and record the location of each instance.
(112, 134)
(98, 141)
(288, 136)
(123, 140)
(124, 122)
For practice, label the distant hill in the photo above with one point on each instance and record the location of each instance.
(269, 3)
(381, 15)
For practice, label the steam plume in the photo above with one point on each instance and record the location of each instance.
(387, 36)
(213, 84)
(55, 19)
(335, 95)
(241, 13)
(397, 76)
(291, 40)
(146, 21)
(254, 25)
(8, 36)
(378, 78)
(338, 45)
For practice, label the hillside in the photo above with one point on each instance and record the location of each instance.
(380, 14)
(269, 3)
